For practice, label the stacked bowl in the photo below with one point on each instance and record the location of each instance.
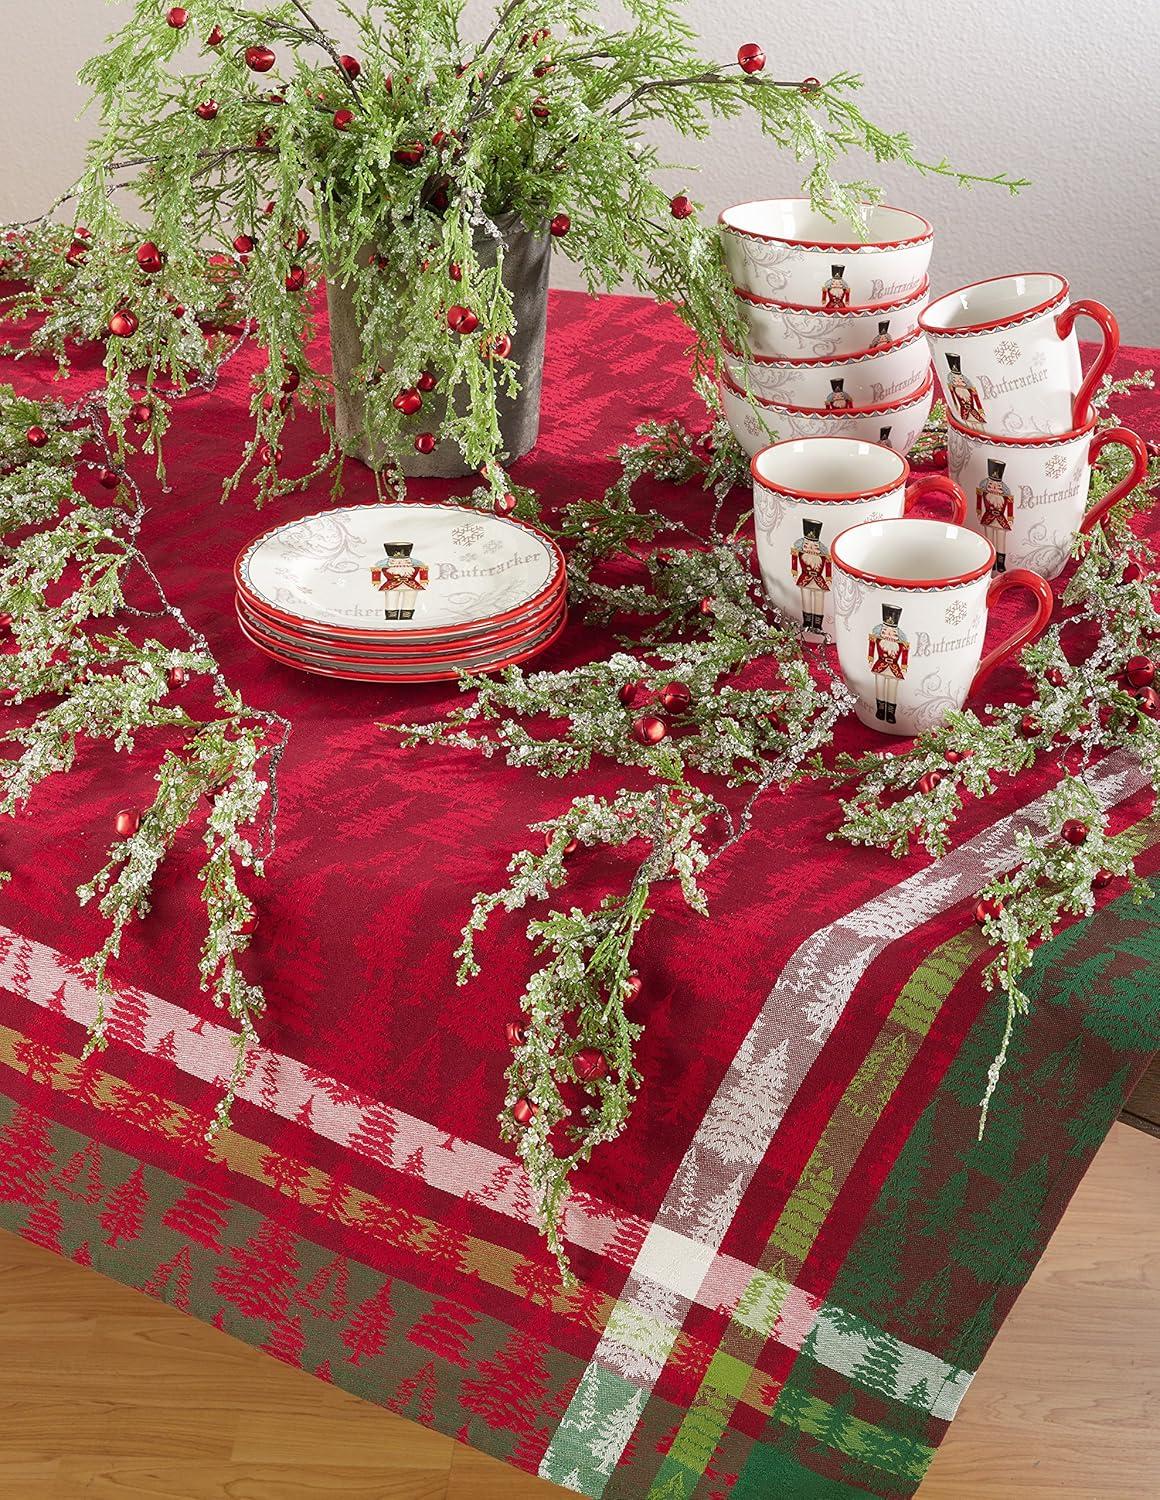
(833, 317)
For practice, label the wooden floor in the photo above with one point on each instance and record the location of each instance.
(105, 1395)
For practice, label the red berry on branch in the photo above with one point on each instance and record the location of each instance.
(76, 253)
(350, 65)
(750, 58)
(107, 479)
(1102, 878)
(1029, 726)
(1140, 671)
(177, 677)
(569, 848)
(517, 1034)
(408, 401)
(590, 1065)
(1074, 831)
(505, 504)
(269, 457)
(128, 822)
(343, 119)
(389, 84)
(540, 107)
(260, 59)
(635, 694)
(523, 1112)
(207, 110)
(929, 781)
(141, 413)
(410, 156)
(809, 86)
(455, 271)
(123, 324)
(560, 226)
(425, 442)
(461, 319)
(499, 346)
(427, 381)
(243, 244)
(263, 139)
(216, 37)
(1133, 573)
(1148, 699)
(681, 206)
(149, 258)
(1056, 676)
(649, 730)
(293, 379)
(987, 909)
(676, 697)
(955, 756)
(37, 437)
(177, 17)
(296, 279)
(632, 988)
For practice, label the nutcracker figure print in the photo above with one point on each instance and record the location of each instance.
(889, 656)
(882, 337)
(809, 565)
(995, 508)
(835, 292)
(963, 394)
(400, 578)
(838, 399)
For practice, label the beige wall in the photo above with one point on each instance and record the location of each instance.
(1060, 91)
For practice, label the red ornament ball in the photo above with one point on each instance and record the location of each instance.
(523, 1111)
(498, 347)
(1140, 671)
(929, 781)
(123, 324)
(207, 110)
(216, 37)
(1149, 701)
(350, 65)
(141, 413)
(427, 381)
(410, 156)
(750, 58)
(954, 757)
(681, 207)
(37, 437)
(408, 401)
(425, 442)
(1102, 878)
(540, 107)
(987, 908)
(505, 504)
(177, 17)
(675, 696)
(809, 86)
(461, 319)
(590, 1065)
(76, 253)
(632, 988)
(1074, 831)
(517, 1034)
(243, 243)
(707, 605)
(560, 226)
(177, 677)
(128, 822)
(260, 59)
(343, 119)
(149, 258)
(292, 381)
(635, 694)
(295, 279)
(1029, 726)
(1056, 676)
(107, 479)
(649, 730)
(1133, 573)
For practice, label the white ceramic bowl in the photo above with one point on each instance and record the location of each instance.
(897, 424)
(785, 248)
(787, 332)
(840, 380)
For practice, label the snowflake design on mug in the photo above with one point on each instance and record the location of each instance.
(1055, 466)
(956, 612)
(1007, 353)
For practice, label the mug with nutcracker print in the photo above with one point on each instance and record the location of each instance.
(806, 491)
(1030, 493)
(1008, 358)
(910, 627)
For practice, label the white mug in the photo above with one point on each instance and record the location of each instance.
(1030, 494)
(809, 490)
(1008, 358)
(911, 600)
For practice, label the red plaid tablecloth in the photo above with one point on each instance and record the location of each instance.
(794, 1258)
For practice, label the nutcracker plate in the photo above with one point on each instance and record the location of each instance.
(405, 654)
(385, 570)
(387, 674)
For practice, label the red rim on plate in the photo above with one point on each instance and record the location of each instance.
(556, 579)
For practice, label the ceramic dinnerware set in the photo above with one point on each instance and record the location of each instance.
(906, 598)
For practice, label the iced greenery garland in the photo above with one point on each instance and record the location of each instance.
(244, 132)
(65, 563)
(572, 1079)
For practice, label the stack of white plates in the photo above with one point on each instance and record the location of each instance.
(833, 324)
(401, 593)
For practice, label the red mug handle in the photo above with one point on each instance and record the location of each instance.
(1064, 323)
(1044, 601)
(1135, 446)
(937, 484)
